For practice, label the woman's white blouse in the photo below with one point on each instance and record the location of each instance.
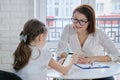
(94, 45)
(36, 69)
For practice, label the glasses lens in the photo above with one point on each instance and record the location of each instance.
(74, 20)
(82, 22)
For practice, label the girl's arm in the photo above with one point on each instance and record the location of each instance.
(63, 69)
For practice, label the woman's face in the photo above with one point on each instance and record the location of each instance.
(80, 22)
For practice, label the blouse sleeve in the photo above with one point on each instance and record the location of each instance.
(108, 45)
(64, 40)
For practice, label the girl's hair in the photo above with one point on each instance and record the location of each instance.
(89, 12)
(31, 30)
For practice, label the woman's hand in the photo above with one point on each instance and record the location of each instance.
(81, 58)
(88, 60)
(85, 60)
(75, 58)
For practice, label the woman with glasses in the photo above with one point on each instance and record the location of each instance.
(84, 38)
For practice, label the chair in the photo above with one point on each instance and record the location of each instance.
(4, 75)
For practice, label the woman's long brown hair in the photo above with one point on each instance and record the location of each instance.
(31, 30)
(89, 12)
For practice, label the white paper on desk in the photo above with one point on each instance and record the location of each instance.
(95, 64)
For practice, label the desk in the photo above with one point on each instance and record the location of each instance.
(77, 73)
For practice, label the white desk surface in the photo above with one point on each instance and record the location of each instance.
(78, 73)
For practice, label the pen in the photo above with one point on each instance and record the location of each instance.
(88, 67)
(96, 67)
(91, 64)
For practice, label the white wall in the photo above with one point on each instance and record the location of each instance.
(13, 14)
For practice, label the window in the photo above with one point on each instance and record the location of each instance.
(56, 2)
(108, 16)
(116, 7)
(99, 6)
(59, 14)
(56, 11)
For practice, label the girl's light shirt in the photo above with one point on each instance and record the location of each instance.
(93, 46)
(36, 69)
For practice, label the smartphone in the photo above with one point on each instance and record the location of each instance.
(68, 59)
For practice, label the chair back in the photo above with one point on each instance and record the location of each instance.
(4, 75)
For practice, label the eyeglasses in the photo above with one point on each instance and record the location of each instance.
(81, 22)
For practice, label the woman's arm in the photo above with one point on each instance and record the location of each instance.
(63, 42)
(87, 60)
(101, 58)
(112, 52)
(107, 44)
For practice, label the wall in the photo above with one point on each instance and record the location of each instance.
(13, 14)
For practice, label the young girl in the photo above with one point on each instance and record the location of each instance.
(31, 60)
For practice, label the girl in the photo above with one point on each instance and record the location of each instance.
(31, 60)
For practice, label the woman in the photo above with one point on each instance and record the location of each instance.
(83, 38)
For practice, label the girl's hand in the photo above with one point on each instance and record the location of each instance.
(61, 61)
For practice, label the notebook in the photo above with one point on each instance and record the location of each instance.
(96, 65)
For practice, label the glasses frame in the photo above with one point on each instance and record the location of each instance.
(81, 21)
